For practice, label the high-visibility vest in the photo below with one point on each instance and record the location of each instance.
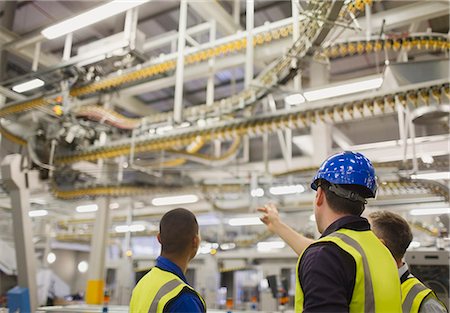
(377, 286)
(413, 294)
(156, 289)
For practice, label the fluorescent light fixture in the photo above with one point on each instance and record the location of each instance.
(173, 200)
(87, 208)
(90, 17)
(344, 89)
(286, 190)
(270, 245)
(427, 159)
(245, 221)
(294, 99)
(414, 244)
(51, 258)
(114, 206)
(228, 246)
(83, 267)
(435, 175)
(29, 85)
(257, 193)
(37, 213)
(129, 228)
(431, 211)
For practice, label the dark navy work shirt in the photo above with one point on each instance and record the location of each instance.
(327, 273)
(187, 301)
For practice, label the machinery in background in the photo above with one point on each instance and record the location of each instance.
(433, 269)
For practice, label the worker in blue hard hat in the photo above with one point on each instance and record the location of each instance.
(348, 269)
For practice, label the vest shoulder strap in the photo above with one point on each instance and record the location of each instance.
(414, 293)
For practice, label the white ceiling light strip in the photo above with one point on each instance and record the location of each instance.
(28, 85)
(174, 200)
(431, 211)
(90, 17)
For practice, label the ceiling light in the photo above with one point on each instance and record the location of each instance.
(183, 199)
(286, 190)
(294, 99)
(258, 192)
(29, 85)
(90, 17)
(87, 208)
(435, 175)
(244, 221)
(427, 159)
(431, 211)
(228, 246)
(344, 89)
(114, 206)
(129, 228)
(414, 244)
(37, 213)
(51, 258)
(270, 245)
(83, 266)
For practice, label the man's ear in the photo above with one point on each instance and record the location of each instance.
(158, 236)
(320, 196)
(196, 241)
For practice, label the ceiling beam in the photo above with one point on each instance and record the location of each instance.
(212, 10)
(401, 16)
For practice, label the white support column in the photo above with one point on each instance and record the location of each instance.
(99, 242)
(130, 26)
(37, 52)
(178, 101)
(295, 36)
(211, 62)
(16, 181)
(321, 135)
(67, 47)
(250, 13)
(368, 22)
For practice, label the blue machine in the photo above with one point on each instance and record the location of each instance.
(19, 300)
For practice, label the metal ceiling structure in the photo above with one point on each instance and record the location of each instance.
(188, 98)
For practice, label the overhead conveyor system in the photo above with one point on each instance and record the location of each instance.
(77, 122)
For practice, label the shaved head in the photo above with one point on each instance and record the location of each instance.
(177, 230)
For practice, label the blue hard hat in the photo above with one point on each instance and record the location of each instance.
(348, 168)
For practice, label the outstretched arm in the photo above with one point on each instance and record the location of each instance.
(272, 220)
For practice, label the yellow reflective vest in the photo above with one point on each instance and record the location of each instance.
(413, 294)
(156, 289)
(377, 286)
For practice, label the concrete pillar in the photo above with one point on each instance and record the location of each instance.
(179, 74)
(96, 271)
(16, 181)
(322, 139)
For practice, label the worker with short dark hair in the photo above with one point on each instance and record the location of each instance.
(348, 269)
(164, 288)
(394, 231)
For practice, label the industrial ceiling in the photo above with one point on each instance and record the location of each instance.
(122, 114)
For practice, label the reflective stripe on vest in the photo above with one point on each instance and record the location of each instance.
(156, 289)
(377, 287)
(165, 289)
(413, 293)
(369, 301)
